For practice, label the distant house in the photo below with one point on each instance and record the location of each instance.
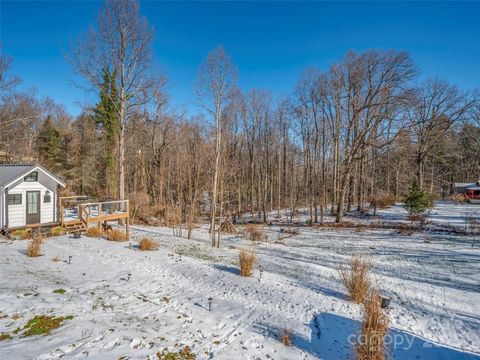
(28, 196)
(471, 190)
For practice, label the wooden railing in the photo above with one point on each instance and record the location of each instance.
(100, 212)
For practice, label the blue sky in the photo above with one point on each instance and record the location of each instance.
(270, 42)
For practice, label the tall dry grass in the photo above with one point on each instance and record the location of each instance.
(35, 246)
(286, 337)
(255, 232)
(94, 232)
(147, 244)
(371, 344)
(356, 279)
(247, 261)
(117, 235)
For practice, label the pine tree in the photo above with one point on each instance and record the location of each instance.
(417, 200)
(48, 145)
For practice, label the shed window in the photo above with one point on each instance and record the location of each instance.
(32, 177)
(47, 197)
(14, 199)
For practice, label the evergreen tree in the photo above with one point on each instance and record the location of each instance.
(48, 145)
(417, 200)
(106, 118)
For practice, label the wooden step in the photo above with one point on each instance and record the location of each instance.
(75, 227)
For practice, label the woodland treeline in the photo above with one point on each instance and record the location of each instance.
(362, 128)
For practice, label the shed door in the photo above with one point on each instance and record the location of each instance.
(33, 207)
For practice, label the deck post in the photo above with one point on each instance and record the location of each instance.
(99, 224)
(127, 221)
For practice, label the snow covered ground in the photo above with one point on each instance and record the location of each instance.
(434, 282)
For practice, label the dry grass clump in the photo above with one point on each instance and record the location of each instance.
(147, 244)
(94, 232)
(356, 279)
(255, 232)
(117, 235)
(35, 246)
(247, 261)
(286, 337)
(22, 233)
(57, 231)
(371, 344)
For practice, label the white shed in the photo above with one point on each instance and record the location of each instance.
(28, 196)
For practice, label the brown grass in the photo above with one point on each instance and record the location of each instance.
(418, 217)
(22, 233)
(35, 246)
(286, 337)
(117, 235)
(57, 231)
(384, 200)
(147, 244)
(371, 344)
(356, 279)
(94, 232)
(247, 261)
(255, 232)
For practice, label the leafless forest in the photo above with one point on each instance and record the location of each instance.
(362, 128)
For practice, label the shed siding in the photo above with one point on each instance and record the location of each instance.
(2, 207)
(17, 213)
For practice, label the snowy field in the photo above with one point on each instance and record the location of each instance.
(433, 279)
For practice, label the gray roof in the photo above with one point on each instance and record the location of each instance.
(10, 172)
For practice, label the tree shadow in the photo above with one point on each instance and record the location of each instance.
(332, 337)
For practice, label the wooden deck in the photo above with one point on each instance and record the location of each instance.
(97, 212)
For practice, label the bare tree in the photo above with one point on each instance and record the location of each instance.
(215, 87)
(435, 107)
(120, 42)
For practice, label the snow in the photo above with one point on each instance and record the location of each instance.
(433, 280)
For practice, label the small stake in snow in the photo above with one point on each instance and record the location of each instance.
(261, 272)
(210, 304)
(180, 257)
(70, 259)
(128, 277)
(130, 245)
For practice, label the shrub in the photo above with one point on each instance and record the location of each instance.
(59, 291)
(356, 279)
(147, 244)
(43, 324)
(57, 231)
(22, 233)
(5, 336)
(417, 200)
(247, 261)
(374, 327)
(56, 259)
(94, 232)
(183, 354)
(286, 337)
(117, 235)
(34, 247)
(309, 222)
(255, 232)
(383, 200)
